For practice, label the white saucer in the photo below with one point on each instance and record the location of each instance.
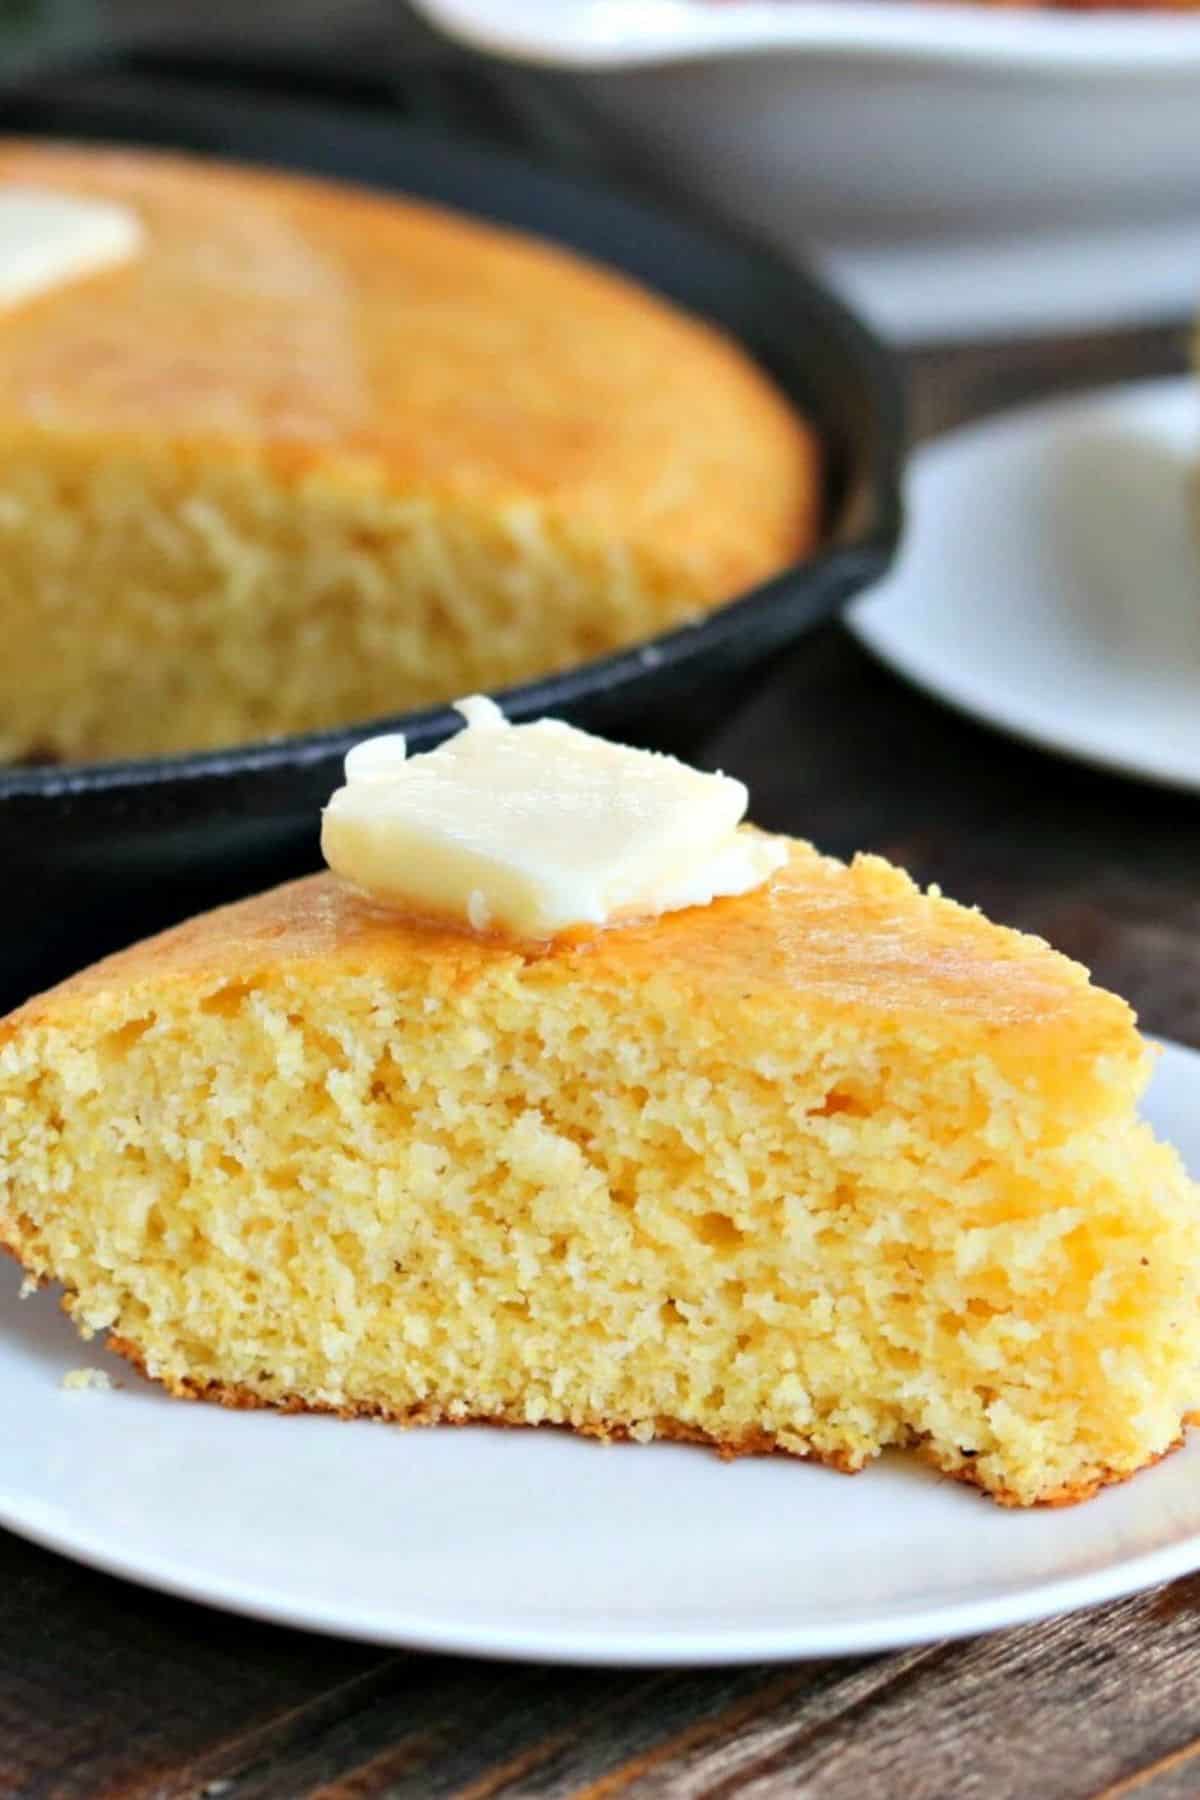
(1050, 579)
(536, 1545)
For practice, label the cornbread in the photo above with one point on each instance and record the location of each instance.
(825, 1167)
(314, 455)
(88, 1381)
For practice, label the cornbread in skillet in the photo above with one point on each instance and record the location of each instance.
(826, 1167)
(315, 455)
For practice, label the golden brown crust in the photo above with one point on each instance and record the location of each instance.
(752, 1443)
(859, 939)
(243, 1399)
(1070, 1494)
(370, 339)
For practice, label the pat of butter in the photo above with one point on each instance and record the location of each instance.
(48, 237)
(533, 829)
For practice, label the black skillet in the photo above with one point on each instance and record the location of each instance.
(94, 855)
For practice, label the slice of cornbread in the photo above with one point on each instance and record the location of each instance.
(315, 455)
(831, 1166)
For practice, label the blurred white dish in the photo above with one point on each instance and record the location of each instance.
(884, 137)
(1050, 578)
(1015, 285)
(532, 1544)
(629, 33)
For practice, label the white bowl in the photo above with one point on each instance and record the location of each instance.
(861, 127)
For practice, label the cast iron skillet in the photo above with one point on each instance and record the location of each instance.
(94, 855)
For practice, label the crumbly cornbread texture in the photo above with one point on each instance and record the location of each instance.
(831, 1166)
(318, 455)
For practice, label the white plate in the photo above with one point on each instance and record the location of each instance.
(1050, 578)
(536, 1545)
(633, 33)
(961, 171)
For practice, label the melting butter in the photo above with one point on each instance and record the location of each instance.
(534, 829)
(48, 237)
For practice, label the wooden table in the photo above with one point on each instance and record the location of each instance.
(107, 1691)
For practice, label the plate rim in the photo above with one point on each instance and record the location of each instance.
(661, 1649)
(865, 619)
(582, 35)
(672, 1647)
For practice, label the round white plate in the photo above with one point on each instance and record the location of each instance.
(1050, 578)
(536, 1545)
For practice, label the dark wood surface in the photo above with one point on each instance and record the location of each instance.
(107, 1690)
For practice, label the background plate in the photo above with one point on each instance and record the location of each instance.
(537, 1545)
(942, 164)
(1050, 582)
(595, 33)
